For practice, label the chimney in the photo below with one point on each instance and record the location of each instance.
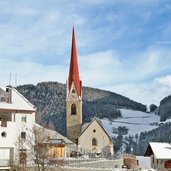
(9, 91)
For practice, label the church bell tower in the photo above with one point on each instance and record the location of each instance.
(73, 96)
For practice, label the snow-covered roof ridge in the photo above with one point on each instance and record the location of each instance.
(18, 103)
(100, 124)
(24, 98)
(52, 134)
(161, 150)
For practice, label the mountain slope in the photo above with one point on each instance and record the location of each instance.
(135, 122)
(126, 131)
(160, 134)
(164, 110)
(49, 98)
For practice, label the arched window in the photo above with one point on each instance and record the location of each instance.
(73, 109)
(94, 142)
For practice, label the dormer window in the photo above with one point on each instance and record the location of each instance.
(73, 109)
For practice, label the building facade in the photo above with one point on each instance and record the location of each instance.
(17, 117)
(58, 146)
(94, 139)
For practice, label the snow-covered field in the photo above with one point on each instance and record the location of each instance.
(135, 121)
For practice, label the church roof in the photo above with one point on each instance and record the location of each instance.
(86, 125)
(74, 71)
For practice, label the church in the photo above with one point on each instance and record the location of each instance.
(90, 137)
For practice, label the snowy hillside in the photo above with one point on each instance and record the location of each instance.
(135, 121)
(50, 101)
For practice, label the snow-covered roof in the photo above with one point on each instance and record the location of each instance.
(56, 141)
(53, 134)
(159, 150)
(84, 126)
(18, 103)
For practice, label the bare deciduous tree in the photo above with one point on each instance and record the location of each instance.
(33, 149)
(41, 148)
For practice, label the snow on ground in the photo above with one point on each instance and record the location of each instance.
(135, 121)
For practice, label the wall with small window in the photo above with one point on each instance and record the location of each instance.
(24, 118)
(97, 141)
(23, 135)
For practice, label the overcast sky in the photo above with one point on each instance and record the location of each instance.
(123, 45)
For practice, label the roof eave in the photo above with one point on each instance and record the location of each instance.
(17, 110)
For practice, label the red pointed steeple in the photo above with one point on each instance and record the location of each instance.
(74, 71)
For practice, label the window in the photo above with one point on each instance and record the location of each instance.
(3, 123)
(94, 130)
(73, 109)
(23, 119)
(94, 142)
(73, 91)
(3, 99)
(3, 134)
(23, 156)
(23, 135)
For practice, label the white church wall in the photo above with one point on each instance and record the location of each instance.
(103, 145)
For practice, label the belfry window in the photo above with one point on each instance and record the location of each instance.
(94, 142)
(73, 109)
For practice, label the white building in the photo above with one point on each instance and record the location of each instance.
(160, 154)
(17, 132)
(17, 117)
